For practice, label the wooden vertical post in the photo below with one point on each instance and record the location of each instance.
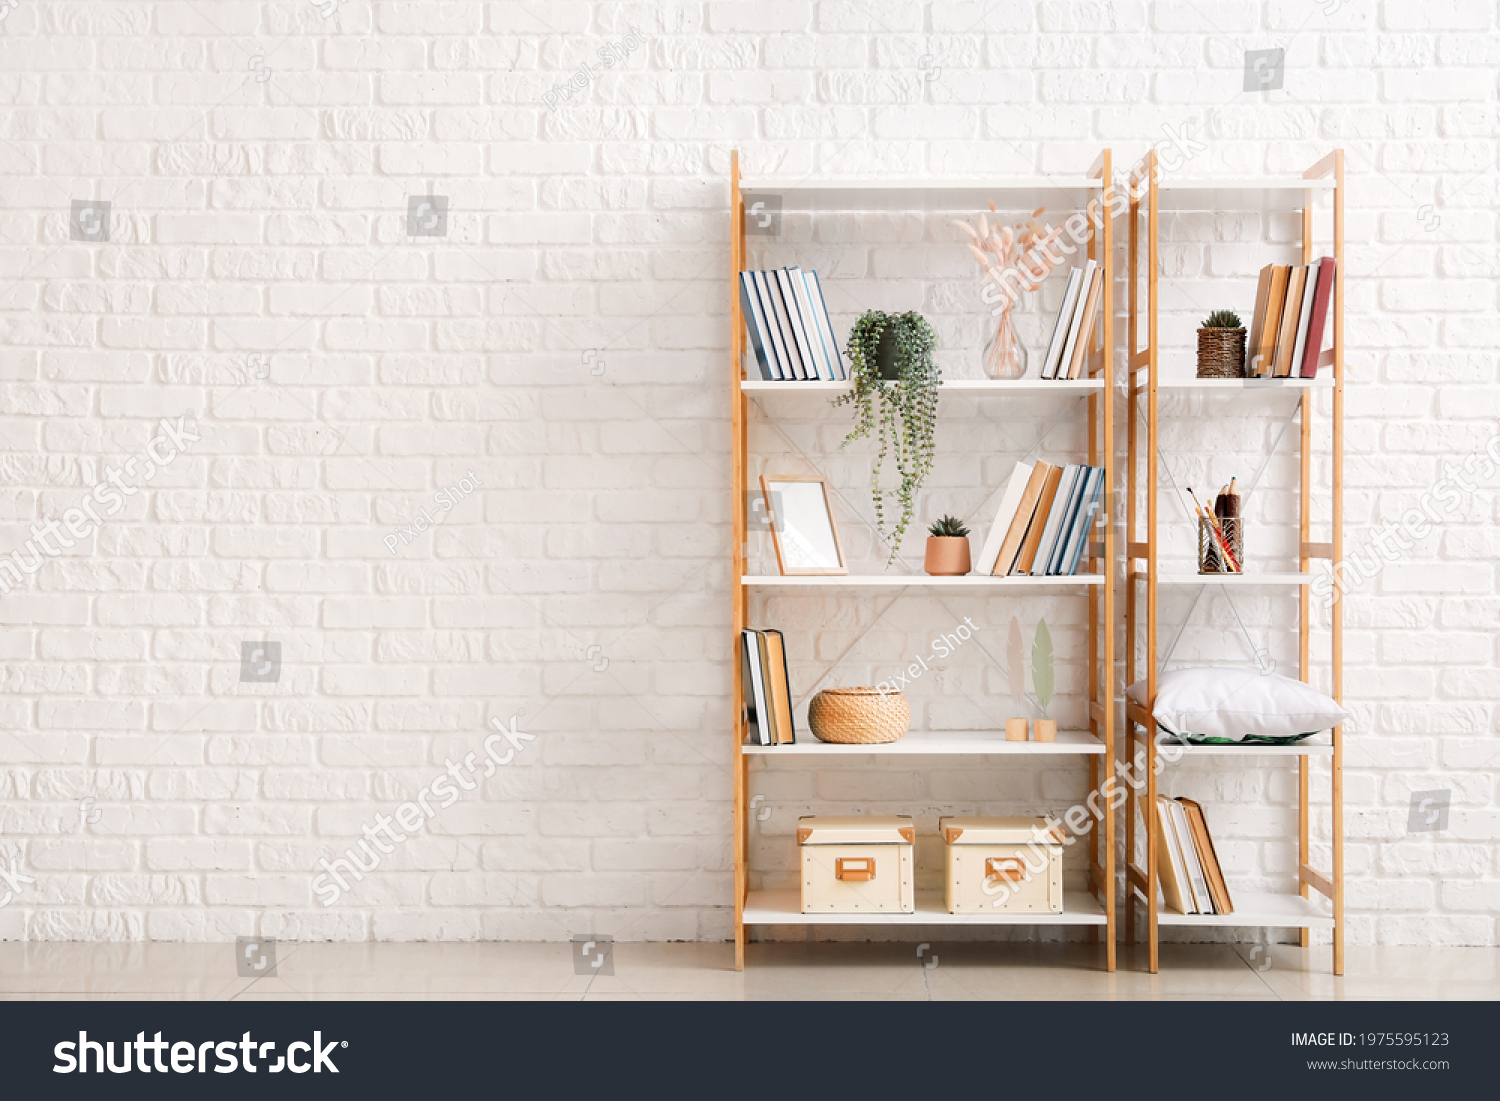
(737, 511)
(1153, 264)
(1304, 605)
(1101, 604)
(1338, 555)
(1131, 447)
(1106, 401)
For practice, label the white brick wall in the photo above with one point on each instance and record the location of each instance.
(565, 342)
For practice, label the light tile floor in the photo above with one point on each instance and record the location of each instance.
(781, 971)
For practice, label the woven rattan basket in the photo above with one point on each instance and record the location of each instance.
(1221, 353)
(858, 716)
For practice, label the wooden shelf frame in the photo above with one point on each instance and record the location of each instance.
(1326, 178)
(1096, 908)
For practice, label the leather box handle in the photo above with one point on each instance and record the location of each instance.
(1004, 867)
(862, 874)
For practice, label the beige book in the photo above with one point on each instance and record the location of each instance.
(1021, 523)
(1086, 333)
(1263, 351)
(1170, 871)
(1038, 522)
(1286, 343)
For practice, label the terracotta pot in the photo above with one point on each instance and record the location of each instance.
(947, 555)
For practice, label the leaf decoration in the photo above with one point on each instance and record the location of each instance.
(1041, 665)
(1015, 661)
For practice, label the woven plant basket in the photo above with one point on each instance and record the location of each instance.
(1221, 353)
(858, 716)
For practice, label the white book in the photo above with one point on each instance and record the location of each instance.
(1309, 291)
(1076, 321)
(756, 687)
(1060, 329)
(1062, 500)
(809, 323)
(799, 334)
(815, 291)
(1010, 500)
(1164, 821)
(1196, 879)
(783, 361)
(779, 306)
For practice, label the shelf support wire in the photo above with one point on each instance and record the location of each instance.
(803, 455)
(1259, 653)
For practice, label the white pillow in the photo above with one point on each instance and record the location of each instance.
(1236, 704)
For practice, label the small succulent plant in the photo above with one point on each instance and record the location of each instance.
(947, 527)
(1223, 319)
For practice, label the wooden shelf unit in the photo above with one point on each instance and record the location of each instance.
(1096, 907)
(1292, 910)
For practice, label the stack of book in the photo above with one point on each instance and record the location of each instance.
(768, 696)
(789, 328)
(1044, 521)
(1291, 308)
(1188, 868)
(1069, 345)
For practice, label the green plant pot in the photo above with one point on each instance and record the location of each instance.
(886, 355)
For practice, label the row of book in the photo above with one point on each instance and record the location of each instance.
(1068, 348)
(1044, 520)
(767, 691)
(1291, 310)
(1187, 866)
(790, 331)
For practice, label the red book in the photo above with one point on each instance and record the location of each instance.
(1314, 347)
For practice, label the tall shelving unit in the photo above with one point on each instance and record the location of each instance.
(1094, 908)
(1293, 909)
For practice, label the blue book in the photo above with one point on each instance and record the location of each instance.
(780, 360)
(1084, 525)
(755, 325)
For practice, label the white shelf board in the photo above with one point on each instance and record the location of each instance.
(975, 743)
(1016, 193)
(1250, 580)
(785, 908)
(921, 581)
(968, 385)
(1252, 749)
(1209, 385)
(1257, 910)
(1241, 193)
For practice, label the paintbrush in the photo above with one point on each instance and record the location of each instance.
(1213, 522)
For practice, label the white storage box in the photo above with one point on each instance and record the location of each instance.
(857, 865)
(989, 861)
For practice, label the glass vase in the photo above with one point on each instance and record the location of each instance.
(1004, 358)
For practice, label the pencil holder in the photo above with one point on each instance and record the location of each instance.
(1213, 536)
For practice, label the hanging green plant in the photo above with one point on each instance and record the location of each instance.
(895, 401)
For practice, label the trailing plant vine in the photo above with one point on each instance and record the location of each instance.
(900, 413)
